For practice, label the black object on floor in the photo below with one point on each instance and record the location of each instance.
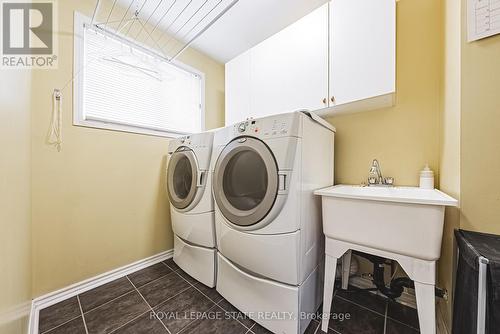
(162, 299)
(396, 286)
(472, 246)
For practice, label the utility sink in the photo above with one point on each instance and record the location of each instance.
(404, 220)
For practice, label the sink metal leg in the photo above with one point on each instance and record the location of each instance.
(330, 271)
(426, 307)
(346, 269)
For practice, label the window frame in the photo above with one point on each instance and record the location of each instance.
(80, 23)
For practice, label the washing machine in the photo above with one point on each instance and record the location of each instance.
(268, 221)
(189, 180)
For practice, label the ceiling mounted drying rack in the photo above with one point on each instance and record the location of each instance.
(168, 27)
(178, 22)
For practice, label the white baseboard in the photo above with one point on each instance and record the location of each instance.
(75, 289)
(406, 298)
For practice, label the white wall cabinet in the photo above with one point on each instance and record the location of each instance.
(288, 69)
(237, 89)
(339, 58)
(284, 73)
(362, 54)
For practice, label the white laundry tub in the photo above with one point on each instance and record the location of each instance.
(403, 220)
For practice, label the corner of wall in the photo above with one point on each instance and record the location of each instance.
(15, 213)
(450, 139)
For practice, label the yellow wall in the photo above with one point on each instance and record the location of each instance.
(403, 138)
(450, 146)
(100, 202)
(15, 201)
(470, 150)
(480, 135)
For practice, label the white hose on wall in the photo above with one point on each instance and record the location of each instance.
(55, 132)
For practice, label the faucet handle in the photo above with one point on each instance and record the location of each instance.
(372, 180)
(389, 181)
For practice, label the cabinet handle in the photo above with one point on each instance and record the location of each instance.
(324, 100)
(332, 99)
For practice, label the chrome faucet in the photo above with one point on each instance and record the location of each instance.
(375, 177)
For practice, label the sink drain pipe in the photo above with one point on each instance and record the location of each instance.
(397, 285)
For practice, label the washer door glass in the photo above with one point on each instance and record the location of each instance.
(246, 181)
(182, 174)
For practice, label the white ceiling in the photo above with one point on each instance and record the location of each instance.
(250, 22)
(246, 24)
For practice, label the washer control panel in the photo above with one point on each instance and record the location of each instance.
(185, 140)
(196, 141)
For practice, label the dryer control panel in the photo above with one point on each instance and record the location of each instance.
(273, 126)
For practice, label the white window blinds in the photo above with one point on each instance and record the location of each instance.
(124, 86)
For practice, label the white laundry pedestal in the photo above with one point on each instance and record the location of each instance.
(422, 272)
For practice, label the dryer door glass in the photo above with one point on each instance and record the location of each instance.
(246, 181)
(182, 174)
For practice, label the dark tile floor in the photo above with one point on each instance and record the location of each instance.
(162, 299)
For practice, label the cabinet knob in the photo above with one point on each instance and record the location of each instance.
(332, 99)
(324, 100)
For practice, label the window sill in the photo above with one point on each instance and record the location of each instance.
(127, 128)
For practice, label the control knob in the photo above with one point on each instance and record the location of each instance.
(242, 127)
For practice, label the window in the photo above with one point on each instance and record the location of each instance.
(123, 86)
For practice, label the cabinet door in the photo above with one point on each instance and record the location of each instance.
(237, 89)
(289, 71)
(362, 49)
